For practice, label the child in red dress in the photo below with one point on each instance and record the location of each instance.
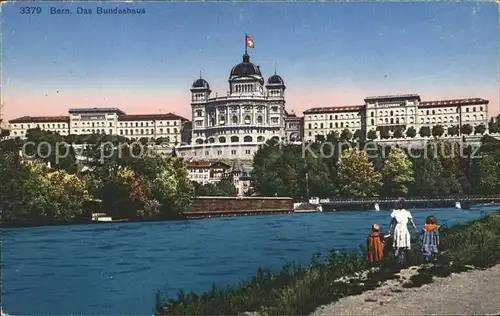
(374, 245)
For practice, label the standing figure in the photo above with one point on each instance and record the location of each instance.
(375, 247)
(430, 239)
(399, 226)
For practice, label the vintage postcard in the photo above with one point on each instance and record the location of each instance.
(148, 147)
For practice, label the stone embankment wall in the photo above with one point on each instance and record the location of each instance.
(215, 204)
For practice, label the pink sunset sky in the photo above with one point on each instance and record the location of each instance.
(328, 54)
(53, 102)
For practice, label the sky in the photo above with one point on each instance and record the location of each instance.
(328, 54)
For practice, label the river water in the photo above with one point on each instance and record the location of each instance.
(117, 268)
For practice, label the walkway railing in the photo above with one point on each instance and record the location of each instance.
(362, 200)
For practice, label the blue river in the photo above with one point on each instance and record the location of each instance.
(115, 269)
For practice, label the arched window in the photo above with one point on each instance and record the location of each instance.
(235, 139)
(247, 139)
(222, 139)
(211, 140)
(199, 141)
(234, 120)
(161, 130)
(372, 121)
(392, 120)
(247, 119)
(392, 113)
(371, 114)
(260, 139)
(259, 119)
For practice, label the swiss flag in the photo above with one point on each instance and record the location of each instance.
(249, 41)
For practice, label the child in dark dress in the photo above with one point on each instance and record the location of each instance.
(375, 247)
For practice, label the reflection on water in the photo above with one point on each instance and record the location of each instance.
(116, 268)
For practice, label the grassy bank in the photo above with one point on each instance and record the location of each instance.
(300, 290)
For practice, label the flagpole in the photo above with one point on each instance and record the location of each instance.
(246, 46)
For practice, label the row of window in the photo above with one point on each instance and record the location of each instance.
(54, 125)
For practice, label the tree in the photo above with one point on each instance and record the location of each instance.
(480, 129)
(220, 188)
(453, 130)
(398, 133)
(397, 173)
(428, 177)
(384, 132)
(411, 132)
(371, 135)
(425, 131)
(346, 135)
(466, 129)
(4, 132)
(437, 130)
(356, 176)
(486, 175)
(494, 125)
(358, 135)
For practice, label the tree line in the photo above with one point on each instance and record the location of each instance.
(128, 185)
(440, 168)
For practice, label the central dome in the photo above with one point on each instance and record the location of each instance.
(245, 69)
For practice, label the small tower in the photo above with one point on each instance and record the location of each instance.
(275, 86)
(200, 93)
(200, 90)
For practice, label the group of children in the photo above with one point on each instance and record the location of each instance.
(430, 242)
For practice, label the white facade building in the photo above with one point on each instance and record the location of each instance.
(111, 121)
(235, 125)
(395, 111)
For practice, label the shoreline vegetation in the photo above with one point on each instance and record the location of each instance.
(297, 290)
(139, 187)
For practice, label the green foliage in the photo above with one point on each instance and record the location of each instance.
(384, 132)
(398, 133)
(356, 175)
(411, 132)
(480, 129)
(425, 131)
(466, 129)
(453, 130)
(494, 125)
(299, 290)
(280, 170)
(220, 188)
(371, 135)
(346, 135)
(33, 194)
(145, 186)
(437, 130)
(397, 173)
(358, 135)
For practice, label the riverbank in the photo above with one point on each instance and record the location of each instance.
(472, 293)
(301, 290)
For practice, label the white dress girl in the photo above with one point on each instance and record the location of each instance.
(401, 235)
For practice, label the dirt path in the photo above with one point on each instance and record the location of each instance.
(473, 292)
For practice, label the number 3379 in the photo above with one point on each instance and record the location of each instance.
(30, 10)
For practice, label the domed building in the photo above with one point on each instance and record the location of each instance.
(235, 125)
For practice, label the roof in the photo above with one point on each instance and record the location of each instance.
(245, 69)
(37, 119)
(393, 97)
(332, 109)
(206, 164)
(440, 103)
(97, 110)
(168, 116)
